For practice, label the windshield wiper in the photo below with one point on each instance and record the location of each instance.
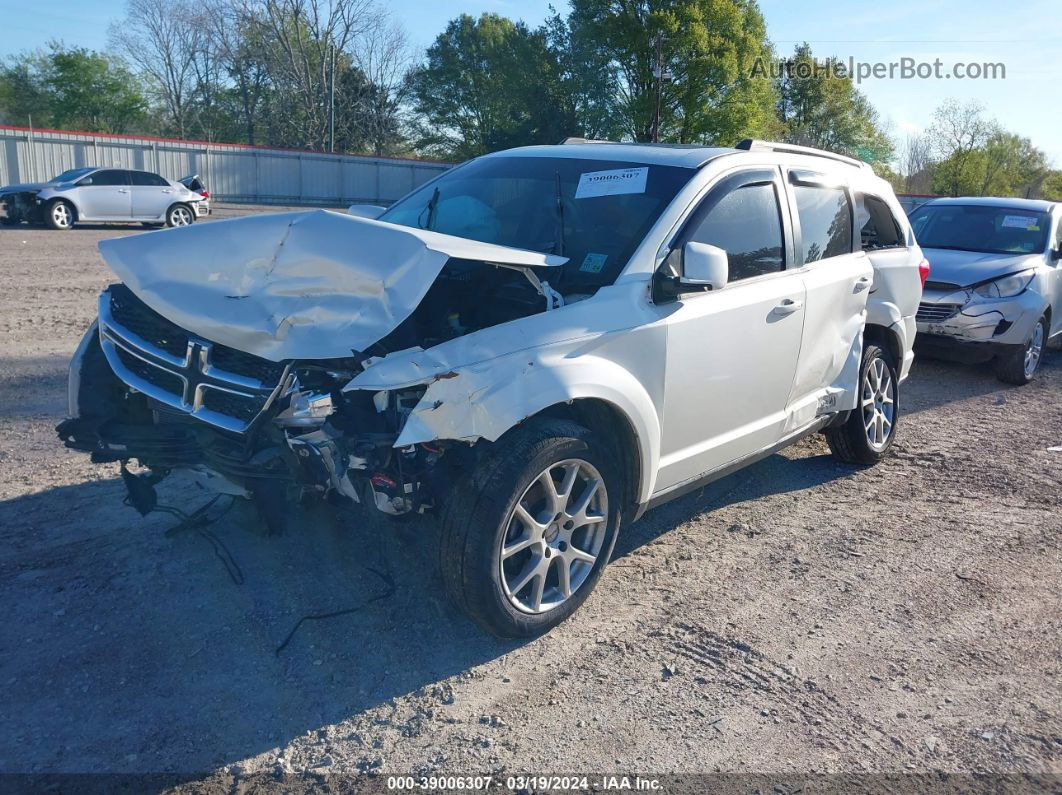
(558, 244)
(430, 209)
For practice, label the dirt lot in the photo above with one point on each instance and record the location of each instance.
(799, 616)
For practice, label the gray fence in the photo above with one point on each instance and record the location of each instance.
(231, 172)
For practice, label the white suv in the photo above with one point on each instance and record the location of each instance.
(538, 345)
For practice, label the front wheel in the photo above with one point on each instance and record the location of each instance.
(528, 531)
(1020, 367)
(60, 215)
(179, 215)
(866, 436)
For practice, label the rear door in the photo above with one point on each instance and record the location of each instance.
(104, 195)
(152, 195)
(732, 353)
(838, 277)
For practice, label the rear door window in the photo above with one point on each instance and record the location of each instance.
(825, 215)
(146, 178)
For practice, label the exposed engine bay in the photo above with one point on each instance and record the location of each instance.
(145, 389)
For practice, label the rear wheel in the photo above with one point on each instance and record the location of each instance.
(60, 214)
(528, 532)
(180, 215)
(866, 436)
(1021, 366)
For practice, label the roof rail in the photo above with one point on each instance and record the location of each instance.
(752, 145)
(576, 140)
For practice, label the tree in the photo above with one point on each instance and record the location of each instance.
(916, 164)
(958, 132)
(1051, 187)
(488, 84)
(820, 106)
(708, 49)
(163, 40)
(71, 89)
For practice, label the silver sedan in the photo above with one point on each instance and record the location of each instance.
(100, 195)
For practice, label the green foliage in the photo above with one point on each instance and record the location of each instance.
(488, 84)
(1052, 186)
(820, 106)
(708, 49)
(71, 89)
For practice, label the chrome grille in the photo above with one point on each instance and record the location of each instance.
(214, 383)
(936, 313)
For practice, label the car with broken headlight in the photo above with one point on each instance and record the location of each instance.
(536, 346)
(100, 195)
(996, 291)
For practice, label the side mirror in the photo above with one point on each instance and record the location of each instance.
(1056, 255)
(704, 267)
(366, 210)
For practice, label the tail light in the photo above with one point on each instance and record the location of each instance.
(204, 193)
(923, 272)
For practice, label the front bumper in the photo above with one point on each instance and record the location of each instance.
(964, 317)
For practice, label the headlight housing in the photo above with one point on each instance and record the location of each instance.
(1006, 286)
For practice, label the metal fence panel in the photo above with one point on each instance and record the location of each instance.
(232, 173)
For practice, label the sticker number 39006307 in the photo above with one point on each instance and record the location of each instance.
(611, 183)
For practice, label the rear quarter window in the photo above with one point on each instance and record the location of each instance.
(878, 227)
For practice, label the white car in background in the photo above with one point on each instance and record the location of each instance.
(101, 195)
(996, 291)
(538, 346)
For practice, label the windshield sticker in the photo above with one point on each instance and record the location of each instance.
(611, 183)
(593, 263)
(1020, 222)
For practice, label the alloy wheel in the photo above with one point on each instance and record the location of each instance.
(1034, 350)
(554, 536)
(180, 216)
(878, 403)
(61, 215)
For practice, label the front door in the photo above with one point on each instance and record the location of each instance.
(104, 195)
(732, 353)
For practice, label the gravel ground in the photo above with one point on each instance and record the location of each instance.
(800, 616)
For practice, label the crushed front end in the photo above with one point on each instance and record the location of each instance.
(143, 389)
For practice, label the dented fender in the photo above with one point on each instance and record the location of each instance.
(479, 388)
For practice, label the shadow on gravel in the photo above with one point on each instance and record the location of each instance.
(938, 382)
(777, 474)
(130, 651)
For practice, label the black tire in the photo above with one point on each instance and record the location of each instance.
(850, 441)
(177, 212)
(1011, 367)
(478, 516)
(60, 215)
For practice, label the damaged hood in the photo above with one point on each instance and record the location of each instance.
(965, 268)
(26, 187)
(303, 285)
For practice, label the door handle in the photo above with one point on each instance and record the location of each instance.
(788, 307)
(861, 284)
(123, 190)
(167, 190)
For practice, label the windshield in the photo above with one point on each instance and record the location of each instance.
(70, 176)
(970, 227)
(605, 208)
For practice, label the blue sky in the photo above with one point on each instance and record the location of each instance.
(1027, 38)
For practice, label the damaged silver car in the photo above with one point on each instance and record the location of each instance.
(996, 292)
(536, 346)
